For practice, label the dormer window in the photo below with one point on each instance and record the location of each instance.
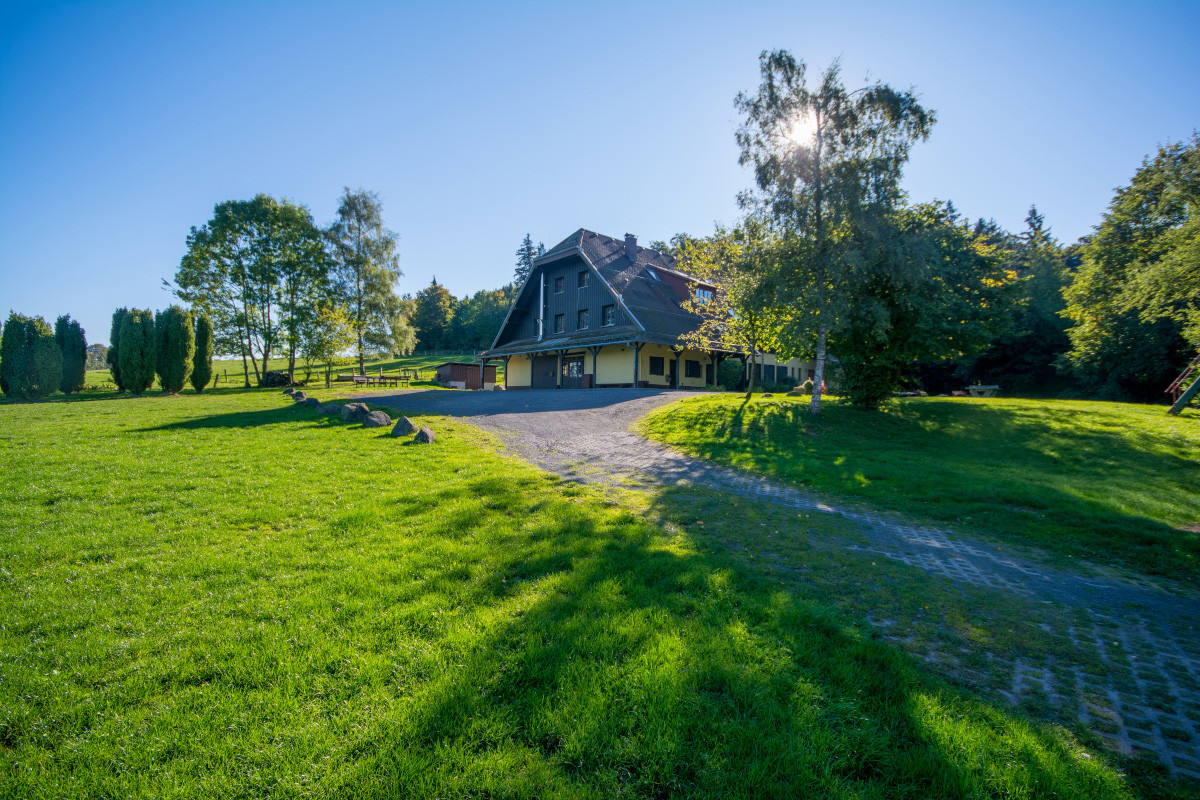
(702, 297)
(583, 279)
(652, 274)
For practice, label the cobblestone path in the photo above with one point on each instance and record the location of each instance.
(1132, 673)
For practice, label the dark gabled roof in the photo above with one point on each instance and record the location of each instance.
(649, 286)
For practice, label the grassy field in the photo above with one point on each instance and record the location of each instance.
(227, 596)
(229, 371)
(1109, 481)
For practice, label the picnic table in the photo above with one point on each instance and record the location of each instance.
(400, 380)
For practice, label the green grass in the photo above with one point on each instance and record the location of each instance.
(1108, 481)
(229, 371)
(225, 595)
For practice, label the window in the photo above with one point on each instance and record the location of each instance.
(653, 274)
(770, 373)
(573, 367)
(702, 296)
(582, 278)
(656, 365)
(558, 285)
(691, 369)
(560, 324)
(608, 315)
(582, 322)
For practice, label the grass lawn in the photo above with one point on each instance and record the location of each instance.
(229, 371)
(225, 595)
(1109, 481)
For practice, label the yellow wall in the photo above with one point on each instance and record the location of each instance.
(613, 365)
(519, 371)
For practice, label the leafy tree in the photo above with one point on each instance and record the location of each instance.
(114, 350)
(742, 311)
(827, 165)
(326, 334)
(254, 270)
(96, 355)
(137, 351)
(928, 290)
(433, 315)
(12, 346)
(1138, 285)
(477, 318)
(175, 347)
(526, 255)
(72, 345)
(367, 266)
(202, 369)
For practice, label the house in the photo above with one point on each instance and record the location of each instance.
(597, 311)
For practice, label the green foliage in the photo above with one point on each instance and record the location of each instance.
(477, 318)
(202, 368)
(256, 269)
(928, 289)
(433, 316)
(175, 346)
(731, 373)
(72, 344)
(113, 356)
(12, 353)
(137, 353)
(1139, 284)
(30, 359)
(827, 164)
(367, 266)
(97, 357)
(526, 255)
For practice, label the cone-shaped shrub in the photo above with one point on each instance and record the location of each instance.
(40, 363)
(72, 344)
(114, 347)
(176, 344)
(12, 346)
(202, 361)
(136, 351)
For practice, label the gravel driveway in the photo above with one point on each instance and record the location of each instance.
(1146, 700)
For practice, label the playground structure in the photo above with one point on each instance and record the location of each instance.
(1182, 392)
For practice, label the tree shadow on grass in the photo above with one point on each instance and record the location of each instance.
(248, 419)
(1073, 479)
(631, 663)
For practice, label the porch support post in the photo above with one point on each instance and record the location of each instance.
(637, 350)
(678, 354)
(506, 359)
(595, 352)
(560, 367)
(482, 371)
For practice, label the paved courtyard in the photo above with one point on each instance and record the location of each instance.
(1129, 666)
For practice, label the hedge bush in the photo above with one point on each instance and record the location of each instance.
(202, 369)
(114, 347)
(175, 345)
(136, 355)
(11, 345)
(730, 374)
(72, 345)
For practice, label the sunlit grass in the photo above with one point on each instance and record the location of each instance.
(1109, 481)
(226, 595)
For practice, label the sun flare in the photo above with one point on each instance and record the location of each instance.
(801, 131)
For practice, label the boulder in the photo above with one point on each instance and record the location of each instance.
(376, 419)
(766, 394)
(404, 426)
(299, 397)
(353, 412)
(796, 391)
(289, 390)
(312, 402)
(424, 436)
(498, 387)
(329, 411)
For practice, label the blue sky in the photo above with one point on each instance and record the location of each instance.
(123, 124)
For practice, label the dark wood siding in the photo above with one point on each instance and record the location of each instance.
(568, 302)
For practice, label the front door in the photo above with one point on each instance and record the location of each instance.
(572, 372)
(544, 372)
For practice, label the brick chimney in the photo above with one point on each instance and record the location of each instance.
(631, 247)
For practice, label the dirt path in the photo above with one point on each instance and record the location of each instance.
(1127, 667)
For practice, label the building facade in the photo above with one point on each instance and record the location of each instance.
(597, 311)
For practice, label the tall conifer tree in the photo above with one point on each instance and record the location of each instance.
(175, 347)
(202, 369)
